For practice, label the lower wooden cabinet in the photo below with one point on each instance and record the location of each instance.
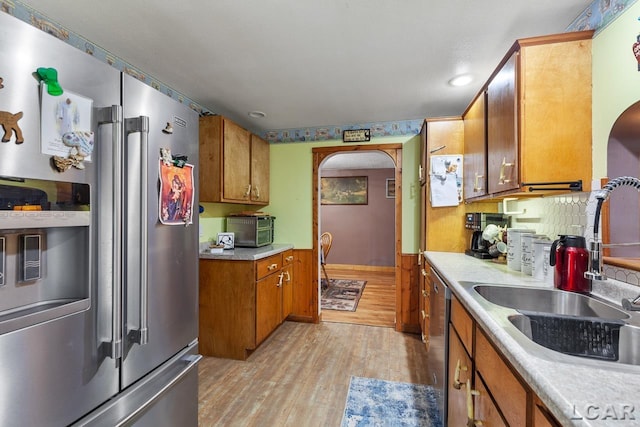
(242, 302)
(485, 410)
(268, 305)
(483, 387)
(542, 418)
(424, 304)
(287, 283)
(460, 370)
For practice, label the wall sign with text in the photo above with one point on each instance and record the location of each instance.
(356, 135)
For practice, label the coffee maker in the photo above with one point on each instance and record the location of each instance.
(478, 221)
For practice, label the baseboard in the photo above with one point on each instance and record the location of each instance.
(362, 267)
(300, 319)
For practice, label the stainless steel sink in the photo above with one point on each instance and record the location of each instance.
(563, 326)
(549, 301)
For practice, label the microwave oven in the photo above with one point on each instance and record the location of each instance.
(251, 231)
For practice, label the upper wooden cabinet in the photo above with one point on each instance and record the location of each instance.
(234, 164)
(538, 117)
(443, 227)
(259, 170)
(502, 129)
(475, 146)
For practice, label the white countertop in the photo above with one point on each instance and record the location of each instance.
(247, 254)
(603, 394)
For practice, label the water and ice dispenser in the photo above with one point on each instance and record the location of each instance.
(44, 250)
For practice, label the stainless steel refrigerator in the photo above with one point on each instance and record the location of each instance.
(98, 241)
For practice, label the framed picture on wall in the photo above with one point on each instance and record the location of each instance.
(391, 188)
(344, 190)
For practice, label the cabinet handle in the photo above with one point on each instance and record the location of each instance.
(456, 377)
(424, 272)
(503, 177)
(272, 267)
(288, 276)
(471, 421)
(419, 256)
(476, 186)
(256, 192)
(247, 194)
(424, 314)
(419, 172)
(425, 293)
(280, 277)
(289, 258)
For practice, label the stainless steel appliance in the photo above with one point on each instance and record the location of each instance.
(479, 220)
(437, 357)
(98, 297)
(251, 230)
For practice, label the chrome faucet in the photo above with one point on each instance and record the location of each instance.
(594, 271)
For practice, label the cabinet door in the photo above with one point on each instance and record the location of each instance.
(268, 306)
(507, 391)
(210, 159)
(485, 409)
(236, 160)
(460, 369)
(424, 303)
(259, 170)
(423, 298)
(287, 291)
(422, 167)
(502, 129)
(475, 149)
(542, 418)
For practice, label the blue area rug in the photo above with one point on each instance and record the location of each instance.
(372, 402)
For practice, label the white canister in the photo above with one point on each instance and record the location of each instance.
(538, 257)
(526, 251)
(548, 271)
(514, 256)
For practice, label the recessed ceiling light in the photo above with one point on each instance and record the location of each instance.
(461, 80)
(257, 114)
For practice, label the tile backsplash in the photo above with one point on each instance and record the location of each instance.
(567, 214)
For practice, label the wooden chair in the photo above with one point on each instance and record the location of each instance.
(326, 239)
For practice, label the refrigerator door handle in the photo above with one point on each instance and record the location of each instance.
(113, 115)
(133, 125)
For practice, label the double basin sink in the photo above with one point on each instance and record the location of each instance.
(562, 326)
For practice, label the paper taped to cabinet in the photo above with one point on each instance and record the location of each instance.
(445, 180)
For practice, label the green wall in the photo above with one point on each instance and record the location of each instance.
(616, 80)
(291, 194)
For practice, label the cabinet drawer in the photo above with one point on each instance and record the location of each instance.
(268, 265)
(507, 391)
(463, 324)
(287, 257)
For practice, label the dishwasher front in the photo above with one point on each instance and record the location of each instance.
(437, 353)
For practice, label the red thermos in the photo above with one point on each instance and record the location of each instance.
(570, 256)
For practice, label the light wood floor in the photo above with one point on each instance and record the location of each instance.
(300, 375)
(377, 306)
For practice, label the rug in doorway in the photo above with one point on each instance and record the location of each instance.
(373, 402)
(342, 294)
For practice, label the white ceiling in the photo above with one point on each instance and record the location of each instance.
(308, 63)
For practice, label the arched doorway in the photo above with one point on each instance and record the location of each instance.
(394, 151)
